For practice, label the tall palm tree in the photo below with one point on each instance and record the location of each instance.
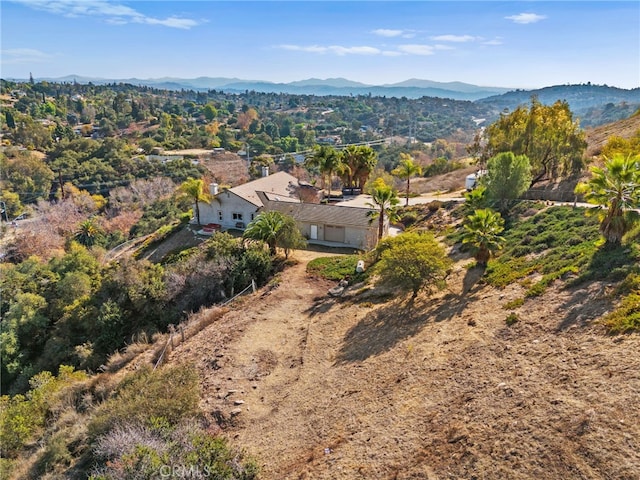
(359, 161)
(482, 230)
(406, 169)
(194, 189)
(616, 187)
(327, 160)
(384, 198)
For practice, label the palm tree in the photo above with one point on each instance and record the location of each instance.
(406, 169)
(482, 231)
(88, 233)
(384, 199)
(359, 161)
(327, 160)
(194, 189)
(616, 187)
(274, 227)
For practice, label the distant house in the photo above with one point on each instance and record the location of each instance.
(329, 224)
(236, 207)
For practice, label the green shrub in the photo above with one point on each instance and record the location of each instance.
(22, 417)
(335, 268)
(434, 205)
(513, 304)
(625, 318)
(172, 393)
(56, 454)
(511, 319)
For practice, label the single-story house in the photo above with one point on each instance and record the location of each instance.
(236, 207)
(329, 224)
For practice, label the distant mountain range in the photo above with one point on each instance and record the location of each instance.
(413, 88)
(595, 104)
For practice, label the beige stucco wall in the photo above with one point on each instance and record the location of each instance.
(227, 203)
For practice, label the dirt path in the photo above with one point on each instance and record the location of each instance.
(320, 388)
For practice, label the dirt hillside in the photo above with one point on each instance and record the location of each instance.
(442, 388)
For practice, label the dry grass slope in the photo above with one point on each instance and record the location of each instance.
(324, 388)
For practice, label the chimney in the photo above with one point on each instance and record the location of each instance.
(213, 188)
(265, 171)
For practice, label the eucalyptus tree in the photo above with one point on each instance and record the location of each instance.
(508, 176)
(547, 134)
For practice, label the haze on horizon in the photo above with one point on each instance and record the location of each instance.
(502, 44)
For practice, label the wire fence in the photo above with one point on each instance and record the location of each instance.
(178, 334)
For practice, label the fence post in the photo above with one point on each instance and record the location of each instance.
(182, 332)
(253, 285)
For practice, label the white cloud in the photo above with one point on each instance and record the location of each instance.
(385, 32)
(455, 38)
(390, 33)
(407, 49)
(495, 41)
(416, 49)
(115, 14)
(525, 18)
(336, 49)
(14, 56)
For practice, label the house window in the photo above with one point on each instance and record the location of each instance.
(220, 215)
(252, 216)
(237, 216)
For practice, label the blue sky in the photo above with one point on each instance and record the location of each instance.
(508, 44)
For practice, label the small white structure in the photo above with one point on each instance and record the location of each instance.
(471, 181)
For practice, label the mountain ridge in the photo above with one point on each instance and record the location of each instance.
(411, 88)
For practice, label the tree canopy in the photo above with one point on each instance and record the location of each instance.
(546, 134)
(412, 261)
(194, 189)
(508, 176)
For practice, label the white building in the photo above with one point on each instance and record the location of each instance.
(236, 207)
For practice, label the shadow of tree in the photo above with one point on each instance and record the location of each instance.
(320, 306)
(471, 278)
(590, 301)
(381, 330)
(385, 327)
(585, 305)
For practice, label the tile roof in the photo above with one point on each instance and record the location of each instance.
(323, 213)
(279, 184)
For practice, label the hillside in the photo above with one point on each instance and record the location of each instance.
(593, 105)
(371, 385)
(598, 137)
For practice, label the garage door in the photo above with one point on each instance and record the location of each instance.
(333, 233)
